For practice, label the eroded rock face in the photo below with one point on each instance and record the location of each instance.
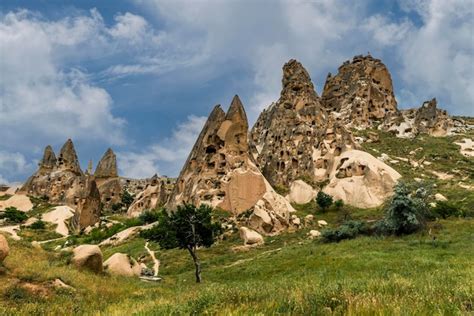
(427, 119)
(108, 181)
(294, 144)
(65, 183)
(4, 249)
(156, 194)
(361, 180)
(361, 93)
(88, 257)
(220, 172)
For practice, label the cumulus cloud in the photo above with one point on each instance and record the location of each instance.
(12, 163)
(169, 153)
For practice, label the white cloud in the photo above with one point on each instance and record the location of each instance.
(385, 32)
(171, 151)
(12, 163)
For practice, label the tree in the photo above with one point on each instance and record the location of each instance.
(324, 200)
(127, 199)
(14, 215)
(406, 211)
(189, 227)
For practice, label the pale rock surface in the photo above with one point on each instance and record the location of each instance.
(322, 223)
(295, 220)
(301, 192)
(156, 194)
(250, 236)
(220, 172)
(361, 180)
(308, 219)
(314, 234)
(88, 257)
(440, 197)
(19, 201)
(122, 264)
(12, 230)
(467, 147)
(4, 248)
(59, 215)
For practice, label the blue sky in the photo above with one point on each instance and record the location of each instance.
(141, 76)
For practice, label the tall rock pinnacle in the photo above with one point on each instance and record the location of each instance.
(67, 159)
(49, 160)
(107, 167)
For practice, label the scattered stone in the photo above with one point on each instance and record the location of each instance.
(314, 234)
(467, 147)
(88, 257)
(442, 175)
(59, 284)
(308, 219)
(301, 192)
(250, 236)
(440, 197)
(122, 264)
(322, 223)
(295, 220)
(4, 248)
(36, 245)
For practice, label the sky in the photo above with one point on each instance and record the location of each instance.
(141, 76)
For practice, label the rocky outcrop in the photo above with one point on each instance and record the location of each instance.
(301, 143)
(108, 181)
(301, 192)
(123, 265)
(4, 249)
(107, 167)
(361, 180)
(427, 119)
(18, 201)
(156, 194)
(220, 172)
(288, 130)
(361, 93)
(250, 237)
(62, 181)
(88, 208)
(88, 257)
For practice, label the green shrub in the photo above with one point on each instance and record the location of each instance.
(445, 209)
(149, 216)
(406, 211)
(339, 204)
(39, 224)
(14, 215)
(127, 199)
(324, 200)
(348, 230)
(117, 207)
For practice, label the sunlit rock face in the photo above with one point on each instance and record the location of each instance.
(220, 172)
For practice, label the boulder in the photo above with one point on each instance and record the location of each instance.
(295, 220)
(322, 223)
(250, 236)
(314, 234)
(308, 219)
(4, 249)
(440, 197)
(301, 192)
(88, 257)
(122, 264)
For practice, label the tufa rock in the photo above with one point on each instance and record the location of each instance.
(314, 234)
(122, 264)
(88, 257)
(361, 93)
(4, 249)
(48, 162)
(107, 167)
(155, 195)
(67, 160)
(88, 208)
(250, 237)
(220, 172)
(301, 192)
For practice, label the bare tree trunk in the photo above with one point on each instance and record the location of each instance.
(197, 264)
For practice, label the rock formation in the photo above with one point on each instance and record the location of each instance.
(156, 194)
(4, 249)
(88, 257)
(62, 181)
(108, 181)
(297, 144)
(220, 172)
(427, 119)
(250, 237)
(122, 264)
(361, 93)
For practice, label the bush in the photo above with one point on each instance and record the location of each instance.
(116, 207)
(406, 211)
(348, 230)
(339, 204)
(39, 224)
(323, 200)
(149, 216)
(127, 199)
(13, 215)
(445, 209)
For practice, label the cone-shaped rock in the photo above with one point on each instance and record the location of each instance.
(361, 92)
(296, 140)
(49, 160)
(107, 167)
(87, 205)
(286, 134)
(67, 159)
(220, 172)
